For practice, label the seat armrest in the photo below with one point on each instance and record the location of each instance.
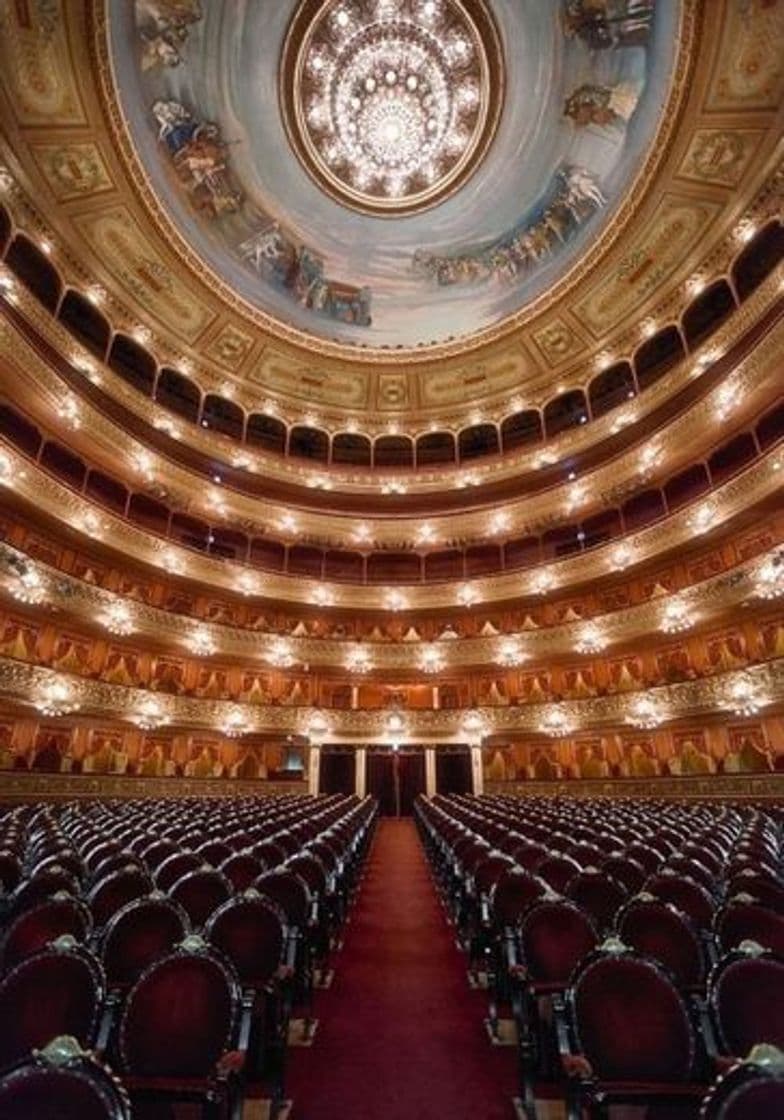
(574, 1064)
(108, 1015)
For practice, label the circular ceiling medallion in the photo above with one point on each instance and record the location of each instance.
(391, 104)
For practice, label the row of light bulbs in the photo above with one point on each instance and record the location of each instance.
(742, 694)
(675, 616)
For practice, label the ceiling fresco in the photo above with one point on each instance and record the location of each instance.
(579, 92)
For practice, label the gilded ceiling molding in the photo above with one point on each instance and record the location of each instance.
(715, 510)
(708, 602)
(757, 687)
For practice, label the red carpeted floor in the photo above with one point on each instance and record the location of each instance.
(400, 1035)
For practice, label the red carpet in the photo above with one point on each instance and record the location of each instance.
(400, 1035)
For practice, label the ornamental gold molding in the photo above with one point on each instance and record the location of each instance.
(341, 479)
(26, 684)
(21, 786)
(760, 481)
(723, 786)
(607, 484)
(706, 602)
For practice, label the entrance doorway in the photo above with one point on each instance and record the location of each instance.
(396, 778)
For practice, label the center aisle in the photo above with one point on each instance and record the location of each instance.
(400, 1035)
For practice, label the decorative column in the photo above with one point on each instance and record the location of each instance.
(477, 775)
(314, 768)
(430, 771)
(360, 771)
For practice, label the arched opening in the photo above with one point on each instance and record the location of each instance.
(477, 442)
(758, 259)
(68, 467)
(5, 228)
(567, 411)
(309, 443)
(223, 416)
(444, 565)
(770, 428)
(435, 448)
(707, 312)
(601, 527)
(343, 566)
(351, 449)
(190, 531)
(148, 513)
(611, 388)
(305, 561)
(658, 355)
(266, 433)
(31, 265)
(270, 555)
(522, 429)
(481, 559)
(19, 431)
(107, 491)
(179, 394)
(732, 457)
(642, 509)
(393, 451)
(85, 322)
(132, 362)
(686, 486)
(394, 567)
(522, 552)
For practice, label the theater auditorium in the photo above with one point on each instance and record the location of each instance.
(391, 560)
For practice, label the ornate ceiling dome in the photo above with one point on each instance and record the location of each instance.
(289, 147)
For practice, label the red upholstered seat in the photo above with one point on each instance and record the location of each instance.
(250, 930)
(270, 854)
(310, 868)
(154, 852)
(62, 1082)
(657, 929)
(514, 892)
(555, 936)
(58, 990)
(178, 1024)
(627, 1034)
(143, 931)
(746, 920)
(752, 1089)
(628, 872)
(529, 855)
(33, 929)
(200, 892)
(10, 871)
(598, 894)
(113, 892)
(746, 1000)
(241, 869)
(214, 852)
(47, 883)
(173, 868)
(557, 870)
(685, 895)
(290, 892)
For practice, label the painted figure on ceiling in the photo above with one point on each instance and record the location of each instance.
(601, 105)
(604, 24)
(163, 29)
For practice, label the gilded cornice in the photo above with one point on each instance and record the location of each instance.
(22, 683)
(608, 484)
(21, 786)
(760, 481)
(712, 787)
(561, 448)
(708, 601)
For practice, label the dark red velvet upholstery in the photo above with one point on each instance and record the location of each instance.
(685, 895)
(78, 1088)
(58, 990)
(36, 927)
(630, 1022)
(143, 931)
(746, 997)
(748, 921)
(250, 931)
(555, 936)
(657, 929)
(180, 1016)
(118, 888)
(311, 870)
(748, 1091)
(598, 894)
(271, 854)
(629, 873)
(200, 892)
(290, 892)
(513, 894)
(557, 870)
(174, 867)
(241, 869)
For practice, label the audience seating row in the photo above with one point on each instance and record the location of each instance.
(638, 945)
(173, 937)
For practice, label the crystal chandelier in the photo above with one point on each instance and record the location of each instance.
(430, 660)
(644, 713)
(510, 653)
(556, 722)
(390, 103)
(235, 724)
(474, 726)
(358, 660)
(591, 639)
(201, 643)
(675, 617)
(29, 586)
(743, 695)
(769, 582)
(117, 618)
